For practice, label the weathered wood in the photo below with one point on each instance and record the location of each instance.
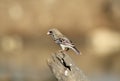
(64, 69)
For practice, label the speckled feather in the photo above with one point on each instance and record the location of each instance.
(62, 40)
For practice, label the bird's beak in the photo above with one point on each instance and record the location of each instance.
(48, 33)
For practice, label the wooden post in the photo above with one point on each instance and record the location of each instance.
(64, 69)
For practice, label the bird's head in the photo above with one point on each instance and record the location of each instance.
(53, 31)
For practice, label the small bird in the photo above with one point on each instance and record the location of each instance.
(62, 40)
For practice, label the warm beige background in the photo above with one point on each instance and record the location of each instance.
(93, 25)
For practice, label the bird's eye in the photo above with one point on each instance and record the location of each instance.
(50, 32)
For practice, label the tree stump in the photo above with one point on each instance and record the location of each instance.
(64, 69)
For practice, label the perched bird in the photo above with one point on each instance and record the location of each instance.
(62, 40)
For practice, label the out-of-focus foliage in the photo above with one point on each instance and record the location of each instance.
(93, 25)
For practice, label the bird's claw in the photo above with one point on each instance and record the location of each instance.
(61, 51)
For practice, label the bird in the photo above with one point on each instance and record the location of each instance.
(62, 40)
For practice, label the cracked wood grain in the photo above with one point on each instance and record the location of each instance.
(64, 69)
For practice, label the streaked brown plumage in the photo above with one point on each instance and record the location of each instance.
(62, 40)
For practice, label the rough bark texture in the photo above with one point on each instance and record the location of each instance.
(64, 68)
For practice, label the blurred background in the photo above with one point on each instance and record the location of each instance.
(93, 25)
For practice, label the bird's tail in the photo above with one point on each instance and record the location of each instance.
(76, 50)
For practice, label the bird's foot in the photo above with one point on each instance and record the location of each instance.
(62, 52)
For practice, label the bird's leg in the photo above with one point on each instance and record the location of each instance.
(61, 51)
(65, 49)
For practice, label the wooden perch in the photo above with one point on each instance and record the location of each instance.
(64, 69)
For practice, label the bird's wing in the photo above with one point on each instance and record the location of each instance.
(66, 41)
